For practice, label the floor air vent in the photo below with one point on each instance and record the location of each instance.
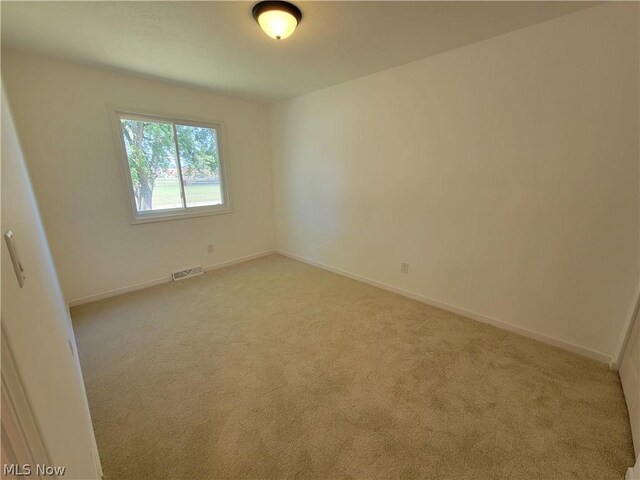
(189, 272)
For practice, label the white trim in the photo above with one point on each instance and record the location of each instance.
(165, 215)
(593, 354)
(616, 358)
(19, 405)
(159, 281)
(95, 456)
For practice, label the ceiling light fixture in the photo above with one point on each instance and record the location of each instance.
(277, 19)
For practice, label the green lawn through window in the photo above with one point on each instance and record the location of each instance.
(166, 194)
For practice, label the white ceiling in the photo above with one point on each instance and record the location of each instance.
(218, 45)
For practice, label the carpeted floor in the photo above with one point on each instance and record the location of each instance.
(276, 369)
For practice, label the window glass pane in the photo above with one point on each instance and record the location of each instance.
(198, 148)
(152, 163)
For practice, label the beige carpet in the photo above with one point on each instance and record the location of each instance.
(275, 369)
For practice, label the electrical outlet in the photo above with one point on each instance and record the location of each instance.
(404, 268)
(210, 248)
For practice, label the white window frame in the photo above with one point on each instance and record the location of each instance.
(137, 217)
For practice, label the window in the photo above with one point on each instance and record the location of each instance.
(174, 168)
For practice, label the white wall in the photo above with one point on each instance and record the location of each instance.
(36, 322)
(505, 172)
(62, 117)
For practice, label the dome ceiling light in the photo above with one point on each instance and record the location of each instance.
(278, 19)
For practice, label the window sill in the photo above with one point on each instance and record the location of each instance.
(167, 216)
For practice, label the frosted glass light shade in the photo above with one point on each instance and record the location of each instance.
(278, 19)
(277, 24)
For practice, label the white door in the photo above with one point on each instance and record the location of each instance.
(37, 328)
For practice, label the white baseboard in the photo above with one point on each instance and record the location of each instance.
(239, 260)
(159, 281)
(593, 354)
(602, 357)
